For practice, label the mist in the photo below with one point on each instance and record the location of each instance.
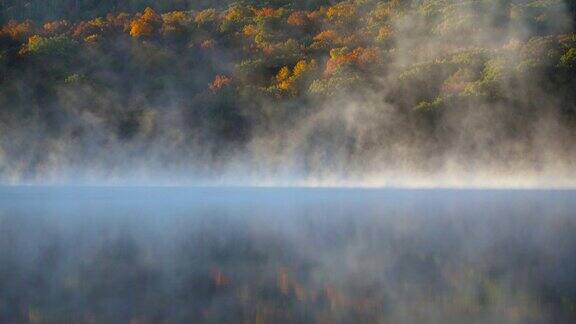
(286, 255)
(457, 94)
(279, 162)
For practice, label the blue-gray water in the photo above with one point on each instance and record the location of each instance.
(262, 255)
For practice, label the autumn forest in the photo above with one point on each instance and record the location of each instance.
(416, 85)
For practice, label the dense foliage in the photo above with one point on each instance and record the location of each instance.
(88, 9)
(205, 82)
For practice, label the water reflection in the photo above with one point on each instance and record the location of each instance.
(248, 255)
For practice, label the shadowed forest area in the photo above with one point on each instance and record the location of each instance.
(273, 89)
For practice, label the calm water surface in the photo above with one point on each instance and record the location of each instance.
(264, 255)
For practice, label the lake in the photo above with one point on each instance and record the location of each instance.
(286, 255)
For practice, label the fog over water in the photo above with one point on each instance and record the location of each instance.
(283, 161)
(286, 255)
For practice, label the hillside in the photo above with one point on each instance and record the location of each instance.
(341, 90)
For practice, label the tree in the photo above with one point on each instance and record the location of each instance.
(146, 25)
(220, 82)
(298, 18)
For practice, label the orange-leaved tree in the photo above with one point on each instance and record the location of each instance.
(146, 24)
(220, 82)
